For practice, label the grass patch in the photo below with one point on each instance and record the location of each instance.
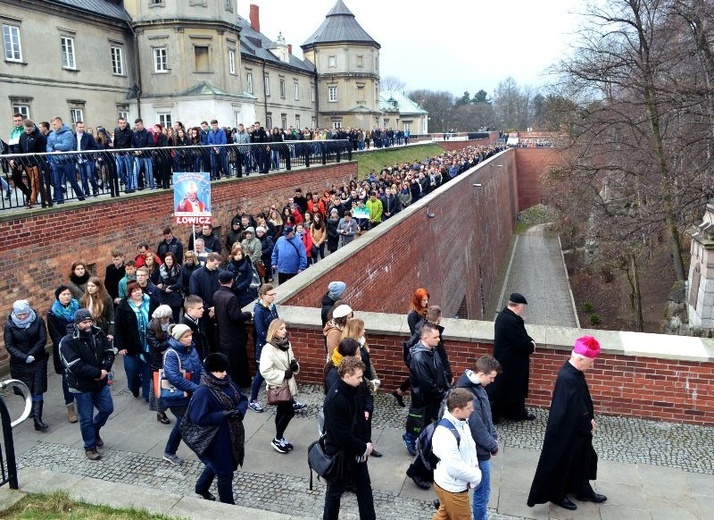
(538, 214)
(59, 506)
(381, 158)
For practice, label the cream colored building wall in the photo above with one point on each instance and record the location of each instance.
(41, 82)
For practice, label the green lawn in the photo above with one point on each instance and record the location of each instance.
(396, 155)
(59, 505)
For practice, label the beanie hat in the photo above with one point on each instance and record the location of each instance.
(216, 362)
(342, 311)
(587, 346)
(23, 307)
(179, 331)
(259, 229)
(82, 315)
(162, 311)
(336, 289)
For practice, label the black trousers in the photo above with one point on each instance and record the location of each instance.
(363, 489)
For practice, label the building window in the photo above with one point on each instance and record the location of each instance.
(165, 119)
(360, 61)
(337, 124)
(332, 62)
(249, 82)
(123, 113)
(266, 84)
(296, 91)
(117, 60)
(407, 126)
(312, 93)
(229, 5)
(203, 63)
(154, 3)
(161, 60)
(283, 121)
(11, 39)
(332, 94)
(297, 122)
(21, 108)
(268, 121)
(231, 61)
(68, 61)
(76, 114)
(282, 88)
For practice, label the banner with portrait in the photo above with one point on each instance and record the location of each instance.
(192, 198)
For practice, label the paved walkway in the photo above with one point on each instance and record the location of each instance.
(648, 470)
(536, 269)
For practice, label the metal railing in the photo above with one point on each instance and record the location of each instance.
(52, 178)
(8, 463)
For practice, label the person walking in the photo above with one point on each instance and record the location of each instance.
(278, 366)
(88, 356)
(568, 461)
(341, 416)
(264, 312)
(25, 337)
(219, 402)
(512, 347)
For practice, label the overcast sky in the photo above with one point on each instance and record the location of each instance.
(453, 45)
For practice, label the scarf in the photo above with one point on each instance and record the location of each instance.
(23, 324)
(142, 319)
(65, 312)
(165, 272)
(336, 358)
(220, 389)
(79, 280)
(283, 344)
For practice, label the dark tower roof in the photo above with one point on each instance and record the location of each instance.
(340, 25)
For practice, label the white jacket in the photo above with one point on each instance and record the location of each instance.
(273, 364)
(458, 465)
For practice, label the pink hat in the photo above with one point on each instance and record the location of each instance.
(587, 346)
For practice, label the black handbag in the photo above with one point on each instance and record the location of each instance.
(329, 467)
(198, 438)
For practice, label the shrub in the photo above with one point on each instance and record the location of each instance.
(594, 319)
(588, 306)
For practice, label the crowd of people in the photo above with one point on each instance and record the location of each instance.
(139, 162)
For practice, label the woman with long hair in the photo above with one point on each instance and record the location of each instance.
(168, 281)
(96, 299)
(59, 319)
(318, 231)
(78, 278)
(418, 307)
(190, 264)
(278, 366)
(337, 318)
(152, 266)
(277, 221)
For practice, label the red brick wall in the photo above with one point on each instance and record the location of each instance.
(530, 165)
(39, 248)
(455, 254)
(648, 388)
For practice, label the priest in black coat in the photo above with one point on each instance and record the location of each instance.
(568, 460)
(232, 333)
(512, 347)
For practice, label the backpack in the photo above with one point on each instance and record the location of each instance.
(424, 446)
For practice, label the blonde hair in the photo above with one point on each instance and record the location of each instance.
(354, 329)
(273, 328)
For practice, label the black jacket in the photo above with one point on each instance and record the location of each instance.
(84, 357)
(340, 420)
(175, 247)
(204, 283)
(231, 320)
(126, 328)
(427, 376)
(512, 347)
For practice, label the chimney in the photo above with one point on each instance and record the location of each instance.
(255, 17)
(290, 48)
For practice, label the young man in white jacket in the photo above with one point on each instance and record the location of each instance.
(457, 470)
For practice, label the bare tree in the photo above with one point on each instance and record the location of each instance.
(392, 83)
(440, 106)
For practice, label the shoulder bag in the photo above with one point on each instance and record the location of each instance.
(329, 467)
(279, 394)
(198, 438)
(162, 386)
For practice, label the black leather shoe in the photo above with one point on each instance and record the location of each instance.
(423, 484)
(376, 453)
(207, 495)
(598, 499)
(163, 418)
(566, 503)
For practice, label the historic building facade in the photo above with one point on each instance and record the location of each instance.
(189, 60)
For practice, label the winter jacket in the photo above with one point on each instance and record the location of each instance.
(458, 465)
(84, 356)
(273, 364)
(480, 421)
(177, 357)
(262, 316)
(22, 343)
(426, 373)
(289, 255)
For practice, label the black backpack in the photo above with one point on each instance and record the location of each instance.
(424, 446)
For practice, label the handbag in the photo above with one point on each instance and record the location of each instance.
(163, 389)
(262, 270)
(196, 437)
(279, 394)
(329, 467)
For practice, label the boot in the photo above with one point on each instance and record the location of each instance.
(71, 413)
(37, 415)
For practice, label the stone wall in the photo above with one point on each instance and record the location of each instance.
(530, 165)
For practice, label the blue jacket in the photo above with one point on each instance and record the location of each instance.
(217, 137)
(262, 316)
(289, 255)
(61, 140)
(190, 362)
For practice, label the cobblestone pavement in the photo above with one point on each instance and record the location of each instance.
(537, 270)
(690, 448)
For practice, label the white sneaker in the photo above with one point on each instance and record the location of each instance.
(297, 406)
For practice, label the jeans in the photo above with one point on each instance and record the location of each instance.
(219, 162)
(138, 375)
(225, 484)
(363, 489)
(62, 172)
(148, 165)
(258, 379)
(175, 436)
(482, 492)
(86, 402)
(88, 175)
(125, 169)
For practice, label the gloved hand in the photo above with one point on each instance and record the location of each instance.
(288, 374)
(30, 359)
(233, 414)
(294, 366)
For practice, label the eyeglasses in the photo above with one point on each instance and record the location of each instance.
(270, 294)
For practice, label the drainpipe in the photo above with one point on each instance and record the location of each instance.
(137, 60)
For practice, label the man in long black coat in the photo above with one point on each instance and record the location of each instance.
(232, 334)
(568, 461)
(512, 347)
